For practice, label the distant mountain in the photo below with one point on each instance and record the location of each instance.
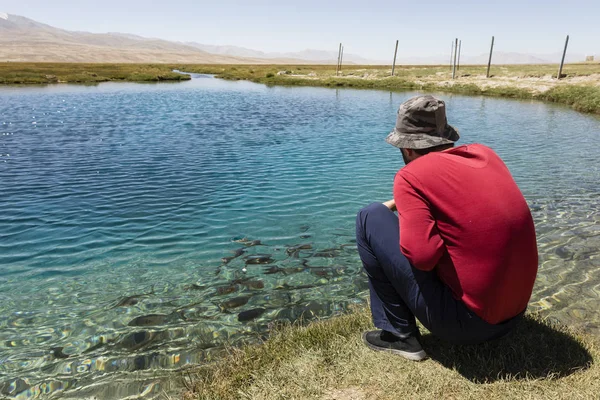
(520, 58)
(308, 55)
(233, 51)
(22, 39)
(330, 57)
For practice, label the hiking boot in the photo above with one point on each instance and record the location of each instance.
(409, 348)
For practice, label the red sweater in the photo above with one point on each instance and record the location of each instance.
(462, 213)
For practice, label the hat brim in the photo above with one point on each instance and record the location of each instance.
(421, 140)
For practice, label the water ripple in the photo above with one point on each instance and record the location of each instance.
(125, 209)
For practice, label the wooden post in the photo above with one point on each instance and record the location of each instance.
(394, 64)
(455, 54)
(341, 58)
(459, 49)
(490, 60)
(451, 52)
(337, 67)
(562, 61)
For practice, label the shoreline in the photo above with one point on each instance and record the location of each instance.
(579, 89)
(12, 73)
(327, 360)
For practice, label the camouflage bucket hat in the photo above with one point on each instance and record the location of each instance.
(422, 123)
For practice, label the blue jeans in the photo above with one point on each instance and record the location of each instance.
(399, 292)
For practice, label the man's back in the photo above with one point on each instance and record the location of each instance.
(462, 213)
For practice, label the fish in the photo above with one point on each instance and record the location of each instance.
(259, 259)
(197, 312)
(285, 286)
(305, 236)
(236, 253)
(193, 286)
(227, 260)
(226, 289)
(239, 252)
(132, 300)
(128, 301)
(149, 320)
(294, 251)
(321, 271)
(253, 284)
(272, 270)
(327, 253)
(328, 271)
(249, 315)
(564, 253)
(57, 352)
(304, 228)
(253, 243)
(234, 303)
(136, 340)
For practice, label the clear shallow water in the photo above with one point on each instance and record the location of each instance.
(120, 201)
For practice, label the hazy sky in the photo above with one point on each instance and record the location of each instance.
(367, 27)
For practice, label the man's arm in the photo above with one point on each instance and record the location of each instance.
(420, 240)
(391, 204)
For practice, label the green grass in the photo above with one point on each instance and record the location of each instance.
(410, 72)
(327, 360)
(581, 98)
(36, 73)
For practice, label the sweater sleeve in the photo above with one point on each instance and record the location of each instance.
(420, 240)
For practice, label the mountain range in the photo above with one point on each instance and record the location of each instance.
(26, 40)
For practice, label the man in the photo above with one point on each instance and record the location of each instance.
(461, 256)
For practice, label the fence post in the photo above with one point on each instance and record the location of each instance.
(562, 61)
(394, 64)
(337, 67)
(487, 75)
(451, 53)
(341, 58)
(455, 54)
(459, 49)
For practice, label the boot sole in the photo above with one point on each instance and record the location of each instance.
(418, 356)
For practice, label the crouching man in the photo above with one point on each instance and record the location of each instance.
(461, 254)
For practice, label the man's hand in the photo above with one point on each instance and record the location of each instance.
(391, 204)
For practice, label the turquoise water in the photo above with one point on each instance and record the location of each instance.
(122, 201)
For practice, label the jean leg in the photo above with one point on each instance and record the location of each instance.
(377, 238)
(399, 292)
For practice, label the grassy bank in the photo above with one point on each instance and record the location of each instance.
(580, 88)
(326, 360)
(36, 73)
